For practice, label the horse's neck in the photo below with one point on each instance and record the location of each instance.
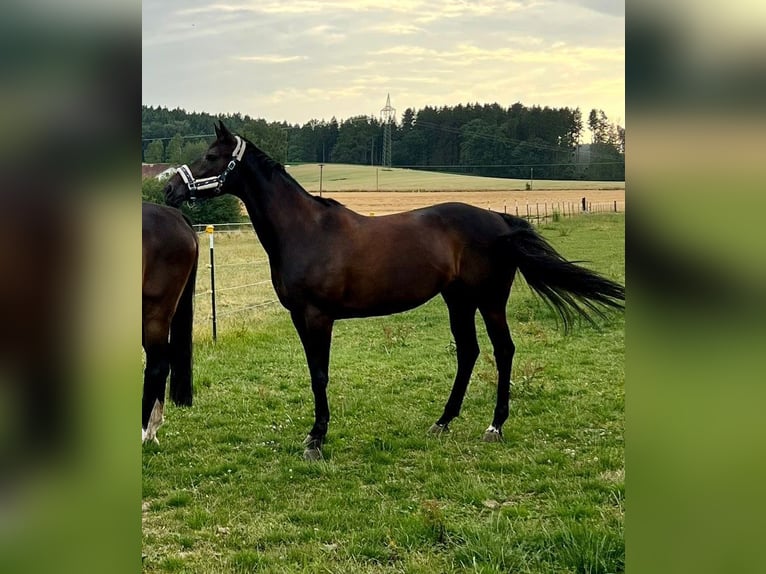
(277, 208)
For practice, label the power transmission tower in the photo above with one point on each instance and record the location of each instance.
(388, 116)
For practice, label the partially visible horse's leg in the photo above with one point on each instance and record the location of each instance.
(315, 331)
(155, 377)
(461, 317)
(500, 335)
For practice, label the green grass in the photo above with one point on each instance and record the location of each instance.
(345, 177)
(227, 489)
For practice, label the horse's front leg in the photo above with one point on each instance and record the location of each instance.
(315, 331)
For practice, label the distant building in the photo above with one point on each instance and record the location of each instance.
(158, 171)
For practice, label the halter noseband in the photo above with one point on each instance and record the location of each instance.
(214, 182)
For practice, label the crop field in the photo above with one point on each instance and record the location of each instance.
(515, 202)
(227, 489)
(345, 177)
(378, 191)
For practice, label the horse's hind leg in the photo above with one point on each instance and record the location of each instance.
(461, 316)
(155, 379)
(500, 335)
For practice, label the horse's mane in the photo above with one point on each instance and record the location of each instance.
(270, 165)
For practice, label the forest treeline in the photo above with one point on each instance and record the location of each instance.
(477, 139)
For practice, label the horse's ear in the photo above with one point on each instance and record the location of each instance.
(217, 131)
(222, 132)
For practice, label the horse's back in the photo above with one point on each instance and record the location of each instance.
(467, 219)
(166, 224)
(169, 250)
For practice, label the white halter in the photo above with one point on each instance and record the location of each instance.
(213, 182)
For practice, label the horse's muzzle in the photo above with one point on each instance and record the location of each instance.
(173, 195)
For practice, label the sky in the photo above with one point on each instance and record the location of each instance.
(307, 59)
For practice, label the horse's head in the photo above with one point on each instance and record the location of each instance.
(207, 176)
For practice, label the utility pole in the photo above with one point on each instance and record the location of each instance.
(287, 144)
(388, 115)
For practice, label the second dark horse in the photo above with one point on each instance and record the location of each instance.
(168, 273)
(328, 263)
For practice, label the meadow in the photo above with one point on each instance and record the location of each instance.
(227, 489)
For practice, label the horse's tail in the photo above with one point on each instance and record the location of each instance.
(181, 388)
(570, 289)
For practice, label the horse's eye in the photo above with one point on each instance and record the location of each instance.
(211, 157)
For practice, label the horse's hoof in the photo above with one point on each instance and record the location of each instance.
(436, 428)
(312, 454)
(312, 442)
(492, 435)
(148, 436)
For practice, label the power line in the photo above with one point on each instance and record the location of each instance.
(200, 136)
(421, 167)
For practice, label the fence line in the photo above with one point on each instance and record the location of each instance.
(257, 305)
(256, 262)
(540, 212)
(209, 291)
(227, 227)
(220, 273)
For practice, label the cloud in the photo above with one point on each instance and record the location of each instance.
(608, 7)
(301, 7)
(271, 58)
(396, 29)
(465, 54)
(339, 58)
(295, 7)
(408, 51)
(325, 34)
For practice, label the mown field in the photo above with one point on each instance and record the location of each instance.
(227, 489)
(346, 177)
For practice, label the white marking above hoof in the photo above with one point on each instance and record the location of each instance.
(312, 442)
(438, 429)
(156, 419)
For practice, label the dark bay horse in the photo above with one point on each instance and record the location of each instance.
(328, 263)
(169, 271)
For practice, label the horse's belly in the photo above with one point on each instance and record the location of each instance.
(380, 307)
(383, 296)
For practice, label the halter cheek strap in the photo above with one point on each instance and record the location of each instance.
(214, 182)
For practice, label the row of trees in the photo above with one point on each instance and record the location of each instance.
(489, 140)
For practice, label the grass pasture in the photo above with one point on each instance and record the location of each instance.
(227, 489)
